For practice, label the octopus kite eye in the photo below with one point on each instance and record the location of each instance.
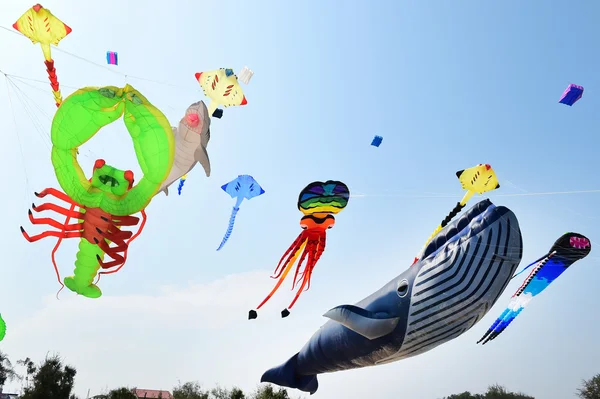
(128, 175)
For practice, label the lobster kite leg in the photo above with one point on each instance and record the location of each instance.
(53, 223)
(55, 193)
(58, 209)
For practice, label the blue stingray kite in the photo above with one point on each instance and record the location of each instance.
(244, 186)
(567, 250)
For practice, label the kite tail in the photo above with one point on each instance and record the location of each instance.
(181, 182)
(54, 82)
(459, 206)
(286, 375)
(493, 327)
(230, 227)
(86, 268)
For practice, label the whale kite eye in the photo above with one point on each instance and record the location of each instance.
(402, 289)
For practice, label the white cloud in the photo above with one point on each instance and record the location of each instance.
(198, 332)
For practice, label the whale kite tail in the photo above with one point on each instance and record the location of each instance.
(229, 228)
(285, 375)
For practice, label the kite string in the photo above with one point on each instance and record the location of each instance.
(127, 76)
(398, 195)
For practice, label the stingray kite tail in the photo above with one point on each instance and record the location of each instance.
(181, 183)
(54, 81)
(230, 227)
(86, 268)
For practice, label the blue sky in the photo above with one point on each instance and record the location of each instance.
(447, 84)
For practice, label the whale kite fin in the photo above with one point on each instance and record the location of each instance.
(285, 375)
(369, 324)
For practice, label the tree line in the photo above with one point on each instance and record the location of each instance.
(52, 379)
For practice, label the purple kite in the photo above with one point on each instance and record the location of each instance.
(571, 95)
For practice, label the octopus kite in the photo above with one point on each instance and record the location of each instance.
(41, 26)
(567, 250)
(107, 201)
(319, 201)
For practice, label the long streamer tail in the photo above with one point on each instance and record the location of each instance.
(229, 228)
(181, 183)
(54, 81)
(455, 211)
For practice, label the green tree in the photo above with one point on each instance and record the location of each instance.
(499, 392)
(267, 392)
(465, 395)
(7, 372)
(237, 393)
(30, 369)
(52, 379)
(190, 390)
(121, 393)
(590, 388)
(493, 392)
(222, 393)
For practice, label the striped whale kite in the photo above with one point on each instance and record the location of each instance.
(568, 249)
(457, 279)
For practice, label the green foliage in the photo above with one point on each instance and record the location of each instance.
(52, 379)
(193, 390)
(493, 392)
(121, 393)
(189, 390)
(7, 372)
(267, 392)
(590, 388)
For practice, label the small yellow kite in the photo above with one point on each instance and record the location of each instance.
(41, 26)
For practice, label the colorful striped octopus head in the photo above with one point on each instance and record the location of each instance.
(323, 197)
(111, 180)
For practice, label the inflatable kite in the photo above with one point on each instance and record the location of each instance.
(40, 26)
(377, 140)
(222, 87)
(567, 250)
(191, 140)
(457, 280)
(245, 75)
(478, 179)
(571, 95)
(243, 186)
(318, 201)
(112, 58)
(105, 202)
(2, 328)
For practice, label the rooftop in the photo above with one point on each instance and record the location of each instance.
(152, 394)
